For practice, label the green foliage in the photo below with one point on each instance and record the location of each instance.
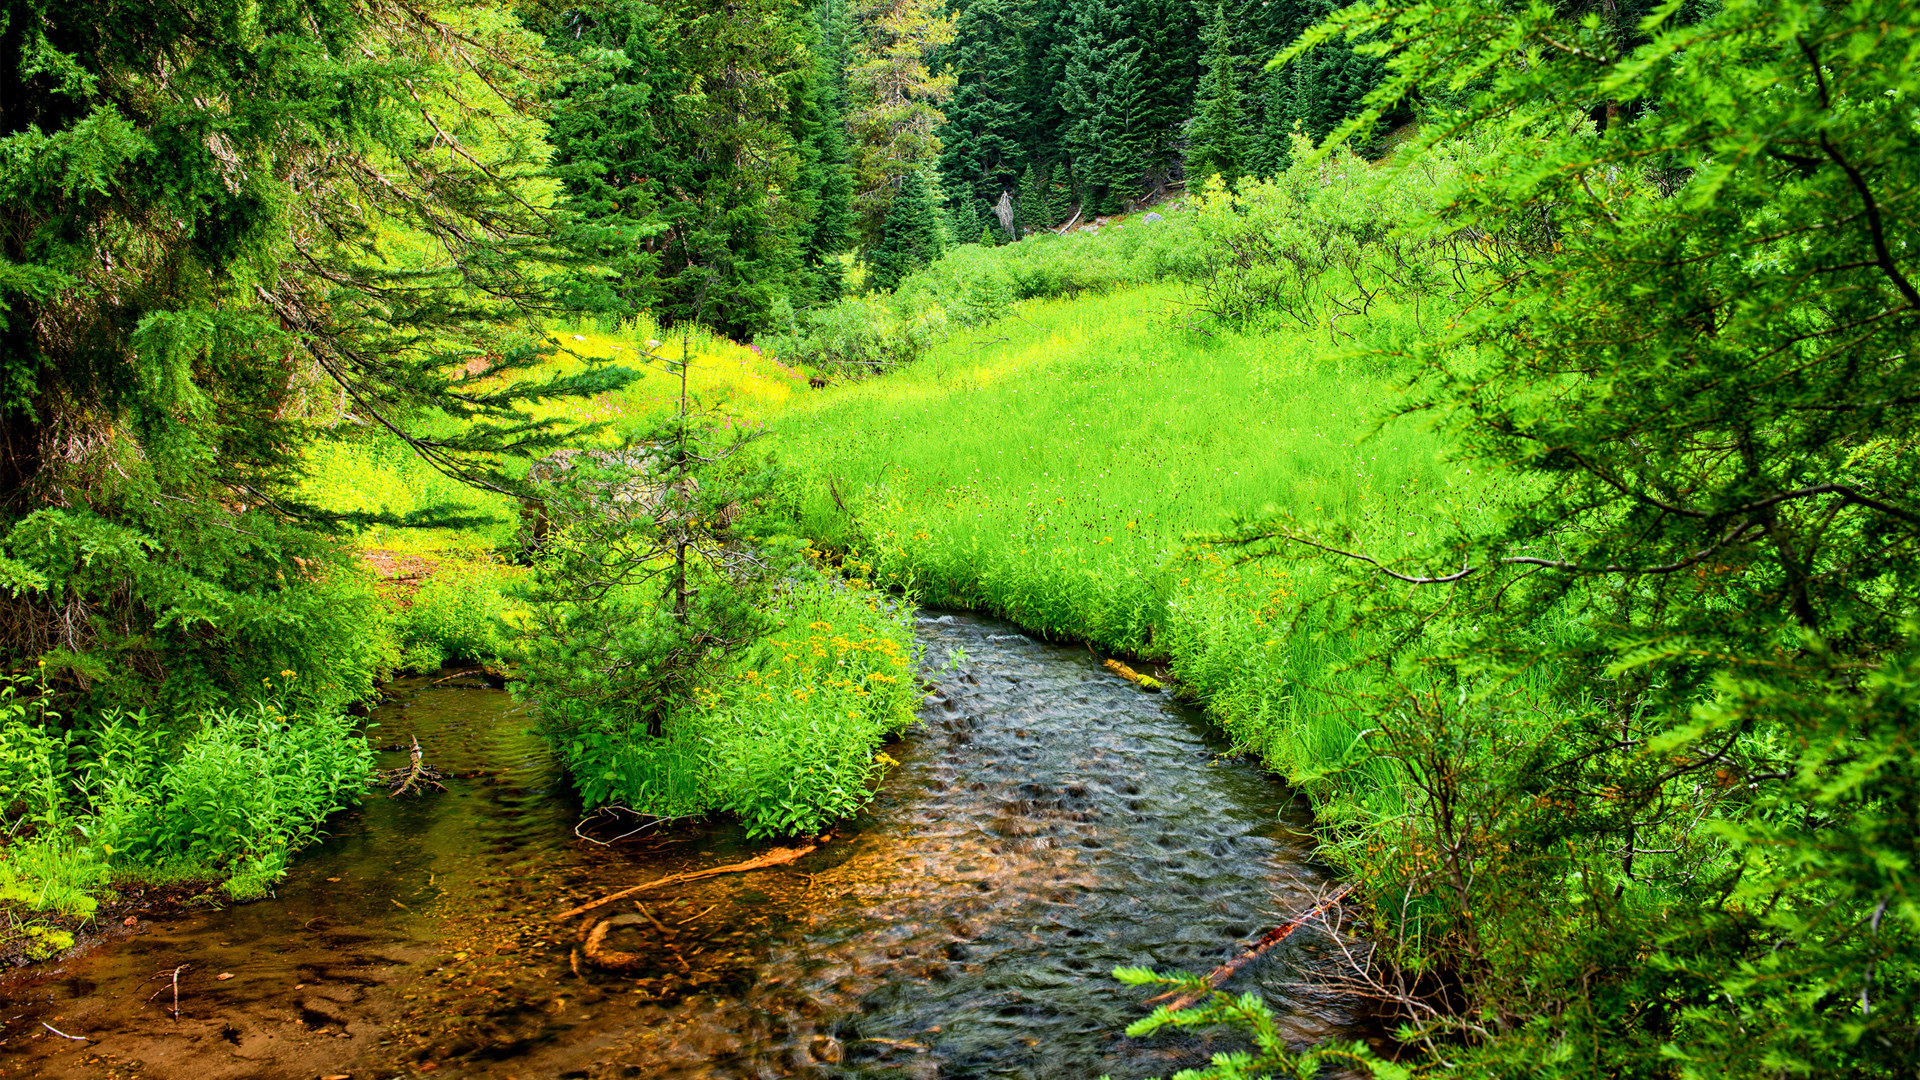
(911, 237)
(460, 615)
(980, 154)
(664, 658)
(1110, 136)
(783, 736)
(794, 728)
(238, 795)
(1329, 239)
(52, 874)
(860, 336)
(697, 190)
(1270, 1057)
(1657, 729)
(306, 203)
(1217, 138)
(226, 794)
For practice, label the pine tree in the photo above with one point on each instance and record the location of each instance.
(1046, 31)
(981, 154)
(658, 136)
(1103, 92)
(1169, 36)
(968, 218)
(1030, 202)
(911, 236)
(828, 171)
(1060, 196)
(895, 97)
(1217, 140)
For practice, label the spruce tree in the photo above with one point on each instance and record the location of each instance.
(1104, 93)
(981, 154)
(968, 218)
(895, 96)
(828, 171)
(1170, 53)
(659, 135)
(1060, 196)
(1030, 202)
(1217, 140)
(1045, 37)
(910, 238)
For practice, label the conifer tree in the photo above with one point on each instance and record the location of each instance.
(1217, 139)
(1170, 52)
(895, 97)
(967, 218)
(981, 154)
(659, 136)
(829, 169)
(1059, 201)
(1030, 202)
(911, 236)
(1046, 31)
(197, 203)
(1104, 93)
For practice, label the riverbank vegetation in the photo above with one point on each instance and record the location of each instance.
(1530, 485)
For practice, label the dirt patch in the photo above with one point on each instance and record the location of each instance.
(401, 574)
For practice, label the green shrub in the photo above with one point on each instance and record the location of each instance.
(860, 336)
(236, 797)
(226, 794)
(33, 761)
(783, 738)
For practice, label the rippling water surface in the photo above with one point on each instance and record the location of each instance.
(1048, 822)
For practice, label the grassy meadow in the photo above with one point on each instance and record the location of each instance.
(1066, 467)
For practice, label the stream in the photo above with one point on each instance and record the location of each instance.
(1048, 821)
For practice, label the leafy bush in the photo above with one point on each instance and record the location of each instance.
(784, 737)
(794, 726)
(859, 336)
(237, 796)
(225, 794)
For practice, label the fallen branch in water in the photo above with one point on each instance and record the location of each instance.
(64, 1035)
(409, 777)
(1267, 941)
(775, 857)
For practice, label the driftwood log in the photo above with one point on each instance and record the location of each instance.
(779, 856)
(1144, 682)
(1267, 941)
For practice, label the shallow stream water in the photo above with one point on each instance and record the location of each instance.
(1048, 821)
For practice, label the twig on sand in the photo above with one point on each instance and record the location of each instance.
(1267, 941)
(173, 977)
(62, 1034)
(690, 918)
(779, 856)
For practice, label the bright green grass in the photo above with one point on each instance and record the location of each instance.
(1061, 468)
